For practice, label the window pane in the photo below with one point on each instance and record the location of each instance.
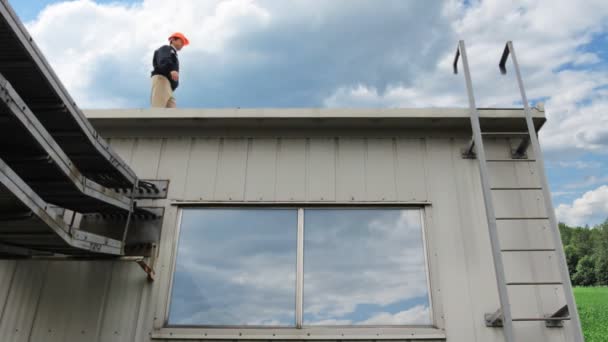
(364, 267)
(235, 267)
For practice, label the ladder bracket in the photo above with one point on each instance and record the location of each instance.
(520, 151)
(148, 267)
(494, 320)
(558, 318)
(469, 152)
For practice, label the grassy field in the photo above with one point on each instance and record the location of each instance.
(592, 303)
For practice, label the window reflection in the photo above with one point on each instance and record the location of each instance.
(235, 267)
(364, 267)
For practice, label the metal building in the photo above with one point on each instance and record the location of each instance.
(272, 224)
(310, 158)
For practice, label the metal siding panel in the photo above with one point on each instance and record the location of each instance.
(380, 170)
(202, 169)
(230, 184)
(7, 271)
(524, 234)
(513, 174)
(454, 292)
(88, 300)
(519, 203)
(173, 165)
(500, 148)
(56, 302)
(123, 302)
(350, 174)
(22, 304)
(124, 147)
(411, 182)
(322, 169)
(536, 302)
(145, 318)
(475, 239)
(537, 331)
(495, 148)
(291, 170)
(146, 156)
(261, 170)
(531, 267)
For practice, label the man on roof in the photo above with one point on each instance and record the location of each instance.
(165, 76)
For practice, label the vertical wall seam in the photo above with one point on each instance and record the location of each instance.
(423, 143)
(276, 168)
(38, 300)
(395, 168)
(138, 318)
(187, 173)
(220, 149)
(336, 165)
(163, 146)
(247, 154)
(307, 169)
(104, 304)
(463, 242)
(9, 290)
(365, 171)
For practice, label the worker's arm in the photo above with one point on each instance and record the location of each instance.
(165, 61)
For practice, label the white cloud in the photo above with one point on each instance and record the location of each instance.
(591, 208)
(417, 315)
(576, 99)
(103, 52)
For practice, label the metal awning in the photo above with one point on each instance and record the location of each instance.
(54, 165)
(39, 161)
(24, 66)
(30, 226)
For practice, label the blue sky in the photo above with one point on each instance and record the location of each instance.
(353, 53)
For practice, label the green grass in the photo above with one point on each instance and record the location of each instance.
(592, 304)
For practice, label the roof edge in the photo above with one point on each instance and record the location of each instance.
(291, 113)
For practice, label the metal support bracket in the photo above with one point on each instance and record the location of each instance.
(148, 189)
(145, 227)
(494, 320)
(556, 320)
(149, 266)
(469, 152)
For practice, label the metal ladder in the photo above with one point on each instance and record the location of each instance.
(503, 316)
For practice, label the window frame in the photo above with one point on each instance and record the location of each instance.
(436, 330)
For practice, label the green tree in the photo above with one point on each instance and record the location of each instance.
(585, 272)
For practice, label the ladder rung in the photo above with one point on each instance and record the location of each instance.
(517, 188)
(528, 250)
(535, 319)
(534, 283)
(510, 134)
(510, 160)
(521, 218)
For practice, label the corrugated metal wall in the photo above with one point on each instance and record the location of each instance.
(111, 301)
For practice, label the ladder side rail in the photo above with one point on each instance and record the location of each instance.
(577, 331)
(487, 197)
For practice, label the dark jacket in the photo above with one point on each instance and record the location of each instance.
(164, 61)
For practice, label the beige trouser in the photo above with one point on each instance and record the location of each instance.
(162, 94)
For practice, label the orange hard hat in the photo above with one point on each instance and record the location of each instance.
(180, 36)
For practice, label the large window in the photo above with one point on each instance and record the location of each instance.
(235, 267)
(240, 267)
